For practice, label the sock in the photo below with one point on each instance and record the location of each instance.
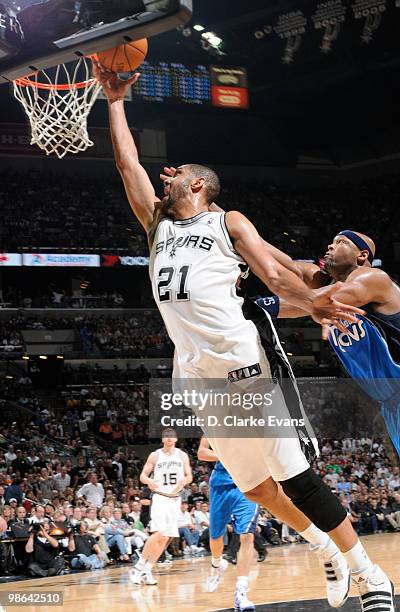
(148, 566)
(242, 581)
(318, 538)
(216, 562)
(359, 563)
(140, 565)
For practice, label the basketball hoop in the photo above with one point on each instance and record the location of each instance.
(58, 104)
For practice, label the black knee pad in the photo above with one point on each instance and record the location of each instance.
(315, 499)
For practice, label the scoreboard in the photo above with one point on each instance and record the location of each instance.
(164, 82)
(197, 85)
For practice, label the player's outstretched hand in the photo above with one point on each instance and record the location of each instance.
(114, 87)
(328, 311)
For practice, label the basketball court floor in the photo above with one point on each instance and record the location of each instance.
(290, 579)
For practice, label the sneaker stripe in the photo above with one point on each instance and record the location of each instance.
(377, 601)
(377, 605)
(373, 594)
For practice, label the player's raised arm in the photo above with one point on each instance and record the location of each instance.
(285, 283)
(138, 187)
(205, 452)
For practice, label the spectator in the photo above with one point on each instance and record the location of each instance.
(96, 528)
(62, 480)
(196, 495)
(187, 529)
(44, 551)
(394, 516)
(93, 492)
(10, 456)
(46, 484)
(79, 473)
(87, 553)
(14, 491)
(113, 535)
(133, 536)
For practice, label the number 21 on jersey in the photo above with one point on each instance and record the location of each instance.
(178, 278)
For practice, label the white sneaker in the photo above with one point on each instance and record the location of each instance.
(148, 578)
(242, 602)
(376, 591)
(215, 576)
(337, 579)
(136, 577)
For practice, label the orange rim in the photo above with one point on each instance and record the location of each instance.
(27, 82)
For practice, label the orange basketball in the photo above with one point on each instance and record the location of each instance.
(125, 58)
(3, 525)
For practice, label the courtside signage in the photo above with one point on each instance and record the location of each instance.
(61, 259)
(10, 259)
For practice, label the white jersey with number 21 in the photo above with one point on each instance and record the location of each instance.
(194, 269)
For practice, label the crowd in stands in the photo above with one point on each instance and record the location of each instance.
(12, 297)
(91, 511)
(45, 210)
(137, 334)
(41, 210)
(115, 411)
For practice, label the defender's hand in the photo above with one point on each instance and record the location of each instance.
(114, 87)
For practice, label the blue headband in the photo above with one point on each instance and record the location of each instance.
(358, 241)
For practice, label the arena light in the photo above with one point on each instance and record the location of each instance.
(198, 27)
(60, 356)
(212, 39)
(42, 356)
(25, 357)
(9, 377)
(289, 354)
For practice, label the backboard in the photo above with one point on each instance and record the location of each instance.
(39, 34)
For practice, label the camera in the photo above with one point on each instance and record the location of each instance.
(36, 527)
(76, 529)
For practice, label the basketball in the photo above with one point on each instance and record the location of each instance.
(3, 525)
(125, 58)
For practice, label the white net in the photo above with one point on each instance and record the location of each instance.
(58, 104)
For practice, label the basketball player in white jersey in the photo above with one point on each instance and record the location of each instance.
(194, 265)
(171, 472)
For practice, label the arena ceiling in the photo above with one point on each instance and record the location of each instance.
(335, 90)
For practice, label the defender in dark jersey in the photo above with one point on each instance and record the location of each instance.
(370, 350)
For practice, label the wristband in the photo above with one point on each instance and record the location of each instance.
(269, 304)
